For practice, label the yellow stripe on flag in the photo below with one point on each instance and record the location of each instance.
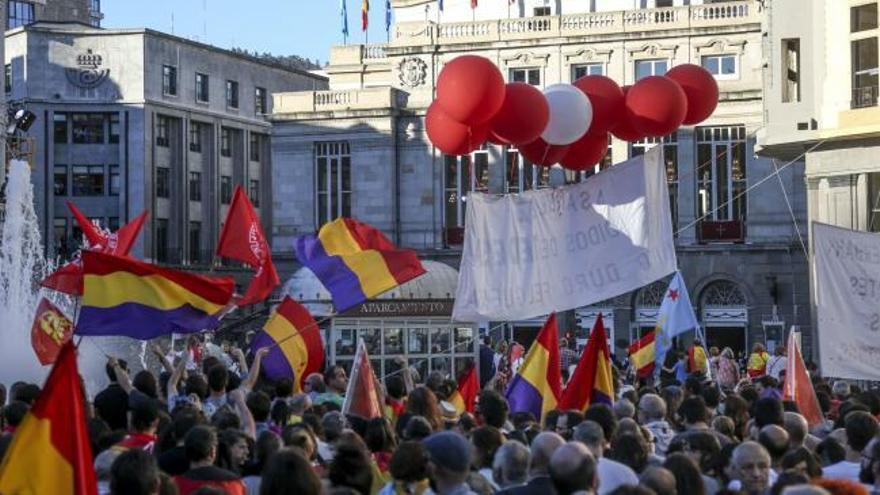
(32, 465)
(534, 371)
(292, 345)
(643, 356)
(155, 291)
(368, 265)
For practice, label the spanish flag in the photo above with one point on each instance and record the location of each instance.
(592, 380)
(535, 388)
(641, 355)
(365, 14)
(127, 297)
(295, 344)
(465, 398)
(355, 261)
(50, 451)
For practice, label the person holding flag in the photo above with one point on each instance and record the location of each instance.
(676, 317)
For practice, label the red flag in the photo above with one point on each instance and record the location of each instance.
(50, 452)
(798, 387)
(473, 4)
(51, 330)
(242, 239)
(362, 396)
(465, 398)
(592, 380)
(68, 278)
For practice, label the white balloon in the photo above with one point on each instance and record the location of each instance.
(571, 114)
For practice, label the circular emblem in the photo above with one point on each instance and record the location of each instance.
(413, 71)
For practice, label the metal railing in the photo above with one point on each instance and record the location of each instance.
(864, 97)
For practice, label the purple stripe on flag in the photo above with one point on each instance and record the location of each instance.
(142, 322)
(275, 364)
(598, 397)
(524, 397)
(337, 277)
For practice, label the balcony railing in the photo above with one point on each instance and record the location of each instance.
(864, 97)
(324, 101)
(734, 13)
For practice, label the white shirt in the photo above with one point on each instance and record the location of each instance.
(776, 365)
(843, 470)
(487, 473)
(613, 474)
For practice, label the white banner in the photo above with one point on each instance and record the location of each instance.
(526, 255)
(847, 265)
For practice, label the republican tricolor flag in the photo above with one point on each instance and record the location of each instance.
(536, 386)
(592, 381)
(294, 341)
(50, 452)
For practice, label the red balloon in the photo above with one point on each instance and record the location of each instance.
(624, 129)
(541, 152)
(586, 151)
(656, 106)
(495, 139)
(607, 100)
(701, 89)
(523, 115)
(451, 137)
(470, 89)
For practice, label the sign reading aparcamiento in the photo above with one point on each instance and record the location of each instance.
(526, 255)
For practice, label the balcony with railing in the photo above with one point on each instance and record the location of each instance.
(725, 14)
(336, 100)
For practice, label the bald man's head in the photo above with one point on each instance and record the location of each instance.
(774, 438)
(659, 479)
(573, 469)
(542, 449)
(751, 465)
(797, 428)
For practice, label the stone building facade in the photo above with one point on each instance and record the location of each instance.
(133, 119)
(360, 149)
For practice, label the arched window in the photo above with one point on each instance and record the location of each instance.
(652, 295)
(723, 294)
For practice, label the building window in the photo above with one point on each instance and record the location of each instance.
(195, 186)
(113, 223)
(651, 67)
(232, 94)
(333, 181)
(115, 182)
(721, 66)
(162, 124)
(60, 180)
(169, 80)
(88, 128)
(114, 128)
(95, 13)
(256, 147)
(254, 192)
(670, 158)
(461, 177)
(202, 93)
(260, 101)
(161, 247)
(59, 127)
(521, 175)
(8, 77)
(531, 76)
(580, 70)
(88, 180)
(874, 202)
(721, 173)
(225, 189)
(541, 11)
(663, 3)
(791, 66)
(195, 137)
(195, 242)
(59, 234)
(225, 142)
(865, 72)
(19, 13)
(163, 182)
(863, 17)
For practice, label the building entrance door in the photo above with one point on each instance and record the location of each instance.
(721, 337)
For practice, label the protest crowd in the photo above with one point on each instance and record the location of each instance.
(210, 424)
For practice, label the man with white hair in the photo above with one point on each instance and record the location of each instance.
(751, 467)
(573, 470)
(541, 451)
(652, 414)
(612, 474)
(510, 466)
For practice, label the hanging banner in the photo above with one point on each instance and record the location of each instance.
(847, 266)
(527, 255)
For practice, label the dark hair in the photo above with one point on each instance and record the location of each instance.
(280, 413)
(144, 414)
(284, 387)
(225, 440)
(259, 405)
(379, 436)
(267, 444)
(314, 422)
(395, 387)
(712, 396)
(769, 411)
(409, 463)
(861, 427)
(737, 409)
(196, 384)
(787, 479)
(824, 400)
(802, 454)
(225, 419)
(97, 428)
(297, 435)
(487, 440)
(693, 410)
(631, 490)
(423, 402)
(871, 400)
(830, 451)
(493, 408)
(183, 420)
(15, 411)
(111, 374)
(351, 468)
(630, 449)
(550, 419)
(27, 393)
(573, 480)
(417, 428)
(687, 475)
(199, 442)
(867, 475)
(218, 378)
(134, 472)
(288, 472)
(604, 415)
(209, 362)
(693, 385)
(146, 382)
(704, 442)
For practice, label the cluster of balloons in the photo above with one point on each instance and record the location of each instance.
(567, 123)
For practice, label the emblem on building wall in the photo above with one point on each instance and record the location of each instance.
(89, 72)
(413, 72)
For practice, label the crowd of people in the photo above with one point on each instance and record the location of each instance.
(208, 423)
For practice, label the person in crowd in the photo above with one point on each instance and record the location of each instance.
(728, 371)
(449, 454)
(659, 479)
(351, 467)
(567, 356)
(409, 470)
(757, 364)
(144, 423)
(751, 467)
(612, 474)
(287, 472)
(333, 423)
(486, 441)
(111, 404)
(134, 472)
(540, 452)
(687, 474)
(487, 361)
(314, 386)
(201, 449)
(698, 359)
(860, 427)
(268, 443)
(573, 469)
(492, 409)
(336, 382)
(232, 451)
(510, 466)
(775, 440)
(777, 363)
(567, 421)
(801, 461)
(652, 415)
(423, 402)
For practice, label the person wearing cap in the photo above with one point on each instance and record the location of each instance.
(450, 458)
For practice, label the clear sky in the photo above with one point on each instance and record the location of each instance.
(284, 27)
